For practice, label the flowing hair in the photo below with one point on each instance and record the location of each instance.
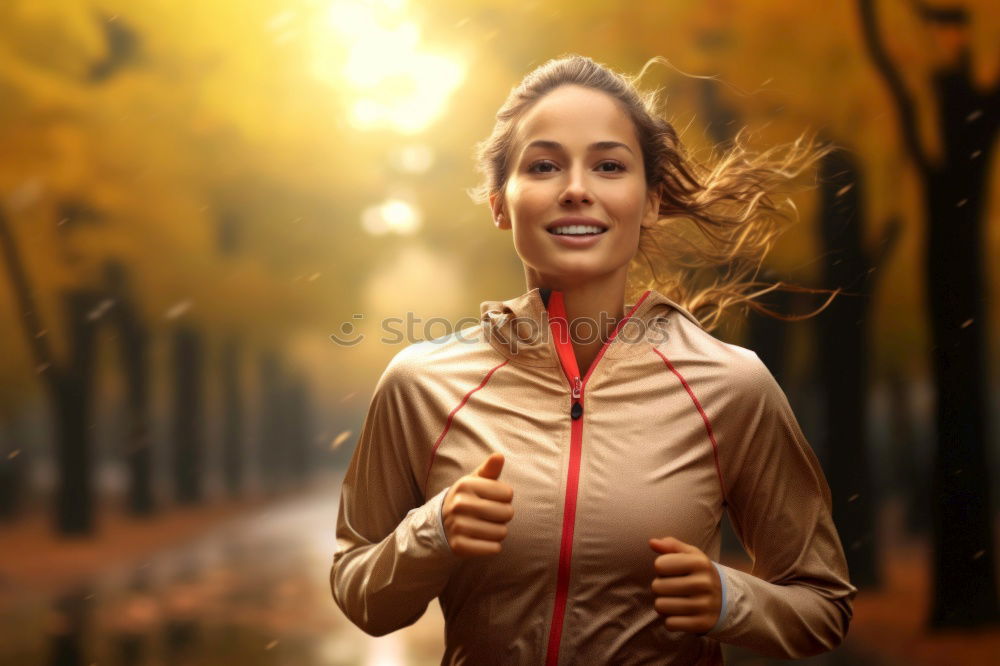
(717, 222)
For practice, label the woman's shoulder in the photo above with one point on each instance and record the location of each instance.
(446, 353)
(686, 337)
(706, 359)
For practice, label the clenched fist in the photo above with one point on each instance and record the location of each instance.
(687, 587)
(476, 508)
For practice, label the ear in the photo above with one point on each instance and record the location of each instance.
(652, 211)
(500, 218)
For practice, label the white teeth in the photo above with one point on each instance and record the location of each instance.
(575, 229)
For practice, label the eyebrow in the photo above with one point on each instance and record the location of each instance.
(597, 145)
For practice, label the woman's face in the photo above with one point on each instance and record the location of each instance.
(575, 155)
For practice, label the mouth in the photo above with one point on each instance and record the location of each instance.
(576, 227)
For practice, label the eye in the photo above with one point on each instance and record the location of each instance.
(539, 163)
(619, 166)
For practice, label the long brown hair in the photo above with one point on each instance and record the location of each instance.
(716, 222)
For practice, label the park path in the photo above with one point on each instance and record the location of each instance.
(244, 585)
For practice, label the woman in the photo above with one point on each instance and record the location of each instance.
(561, 487)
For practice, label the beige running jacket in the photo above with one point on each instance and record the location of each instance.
(669, 428)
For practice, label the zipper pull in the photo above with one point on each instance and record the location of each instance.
(577, 388)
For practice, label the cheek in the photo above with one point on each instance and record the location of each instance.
(626, 241)
(625, 203)
(527, 197)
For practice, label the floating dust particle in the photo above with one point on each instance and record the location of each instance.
(339, 439)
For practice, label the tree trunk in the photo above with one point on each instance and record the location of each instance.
(14, 468)
(188, 435)
(232, 417)
(964, 574)
(272, 427)
(133, 342)
(964, 570)
(842, 341)
(299, 430)
(67, 386)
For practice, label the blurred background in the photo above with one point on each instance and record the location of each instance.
(195, 197)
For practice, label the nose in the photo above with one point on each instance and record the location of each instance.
(576, 189)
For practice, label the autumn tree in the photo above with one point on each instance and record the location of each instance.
(954, 190)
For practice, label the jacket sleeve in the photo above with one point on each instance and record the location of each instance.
(392, 556)
(797, 600)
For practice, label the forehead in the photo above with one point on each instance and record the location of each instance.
(575, 116)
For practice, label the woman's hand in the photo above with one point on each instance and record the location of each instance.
(687, 588)
(476, 508)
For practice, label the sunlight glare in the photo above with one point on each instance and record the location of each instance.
(396, 81)
(393, 215)
(413, 158)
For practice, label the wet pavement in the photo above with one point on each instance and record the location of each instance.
(254, 591)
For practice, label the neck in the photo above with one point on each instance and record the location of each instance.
(596, 305)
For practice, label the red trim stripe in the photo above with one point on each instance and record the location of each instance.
(704, 417)
(451, 417)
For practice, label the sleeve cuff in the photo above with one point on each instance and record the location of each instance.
(439, 498)
(725, 599)
(433, 514)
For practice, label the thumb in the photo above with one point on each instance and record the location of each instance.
(490, 468)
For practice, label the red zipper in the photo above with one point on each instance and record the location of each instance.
(567, 359)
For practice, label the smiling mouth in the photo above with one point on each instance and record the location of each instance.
(577, 230)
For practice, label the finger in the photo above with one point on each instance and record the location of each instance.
(694, 624)
(671, 544)
(468, 546)
(677, 564)
(490, 468)
(682, 586)
(680, 606)
(474, 528)
(497, 491)
(465, 504)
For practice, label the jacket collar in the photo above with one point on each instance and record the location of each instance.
(519, 327)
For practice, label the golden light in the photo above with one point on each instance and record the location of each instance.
(394, 81)
(417, 278)
(412, 158)
(393, 215)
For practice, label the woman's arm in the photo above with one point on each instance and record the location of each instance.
(797, 600)
(392, 555)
